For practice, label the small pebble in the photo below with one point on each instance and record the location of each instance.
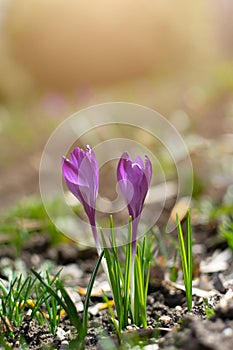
(227, 332)
(70, 271)
(35, 260)
(60, 333)
(94, 310)
(76, 298)
(129, 328)
(151, 347)
(178, 308)
(150, 300)
(64, 345)
(165, 319)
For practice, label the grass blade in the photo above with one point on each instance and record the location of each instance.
(89, 289)
(186, 257)
(182, 251)
(68, 306)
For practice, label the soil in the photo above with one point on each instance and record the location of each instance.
(170, 324)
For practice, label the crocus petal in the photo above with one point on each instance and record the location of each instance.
(81, 174)
(72, 173)
(121, 172)
(93, 159)
(77, 156)
(139, 161)
(134, 179)
(148, 169)
(69, 171)
(135, 173)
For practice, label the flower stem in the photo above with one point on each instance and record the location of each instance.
(135, 223)
(96, 238)
(132, 287)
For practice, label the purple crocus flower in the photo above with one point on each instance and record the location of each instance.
(134, 179)
(81, 174)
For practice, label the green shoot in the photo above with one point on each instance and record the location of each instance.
(226, 230)
(141, 275)
(128, 276)
(186, 257)
(116, 279)
(45, 306)
(129, 280)
(88, 295)
(22, 295)
(113, 319)
(209, 310)
(64, 301)
(13, 301)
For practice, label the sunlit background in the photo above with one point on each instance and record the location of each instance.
(59, 56)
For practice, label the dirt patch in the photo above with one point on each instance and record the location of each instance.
(170, 324)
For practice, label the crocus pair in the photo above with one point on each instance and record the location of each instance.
(81, 173)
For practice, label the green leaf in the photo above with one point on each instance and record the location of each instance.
(88, 295)
(186, 257)
(68, 305)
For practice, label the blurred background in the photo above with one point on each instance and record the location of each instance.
(58, 56)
